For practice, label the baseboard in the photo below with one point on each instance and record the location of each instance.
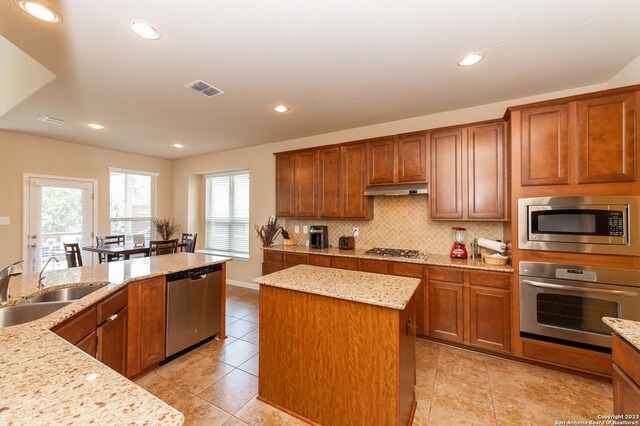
(252, 286)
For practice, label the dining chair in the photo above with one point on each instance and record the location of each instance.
(109, 240)
(190, 241)
(159, 247)
(72, 253)
(138, 240)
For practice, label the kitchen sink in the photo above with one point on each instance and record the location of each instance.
(25, 312)
(65, 294)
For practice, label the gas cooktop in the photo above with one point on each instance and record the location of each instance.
(389, 252)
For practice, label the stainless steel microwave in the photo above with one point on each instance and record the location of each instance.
(590, 224)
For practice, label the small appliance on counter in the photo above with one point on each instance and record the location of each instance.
(458, 251)
(319, 237)
(495, 254)
(347, 243)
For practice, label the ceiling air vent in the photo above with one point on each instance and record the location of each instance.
(205, 89)
(51, 120)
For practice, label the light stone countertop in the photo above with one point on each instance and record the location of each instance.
(627, 329)
(429, 259)
(45, 380)
(388, 291)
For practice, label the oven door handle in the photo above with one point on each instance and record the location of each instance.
(580, 289)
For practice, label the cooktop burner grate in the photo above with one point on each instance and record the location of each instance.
(389, 252)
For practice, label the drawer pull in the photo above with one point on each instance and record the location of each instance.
(112, 317)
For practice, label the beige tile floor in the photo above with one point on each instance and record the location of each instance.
(217, 383)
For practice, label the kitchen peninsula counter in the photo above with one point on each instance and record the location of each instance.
(627, 329)
(45, 380)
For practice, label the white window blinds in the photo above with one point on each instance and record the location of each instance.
(227, 213)
(132, 202)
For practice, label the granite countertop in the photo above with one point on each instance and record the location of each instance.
(627, 329)
(388, 291)
(46, 380)
(428, 259)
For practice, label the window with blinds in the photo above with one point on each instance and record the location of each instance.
(132, 202)
(227, 213)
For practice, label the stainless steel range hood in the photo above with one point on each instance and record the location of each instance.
(397, 190)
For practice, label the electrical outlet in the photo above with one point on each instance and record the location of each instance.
(5, 220)
(296, 229)
(305, 229)
(356, 232)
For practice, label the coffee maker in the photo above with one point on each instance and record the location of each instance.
(458, 251)
(319, 237)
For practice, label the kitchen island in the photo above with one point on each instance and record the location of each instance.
(46, 380)
(337, 346)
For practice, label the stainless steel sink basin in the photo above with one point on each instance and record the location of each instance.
(64, 294)
(19, 314)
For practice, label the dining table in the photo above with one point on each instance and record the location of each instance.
(124, 250)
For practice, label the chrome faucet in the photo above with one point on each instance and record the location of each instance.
(5, 275)
(40, 277)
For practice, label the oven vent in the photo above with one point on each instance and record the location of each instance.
(52, 120)
(205, 89)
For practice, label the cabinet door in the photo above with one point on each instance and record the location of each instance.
(329, 191)
(88, 344)
(606, 139)
(112, 341)
(490, 318)
(285, 193)
(412, 159)
(446, 175)
(446, 310)
(306, 183)
(545, 146)
(381, 159)
(626, 393)
(407, 360)
(153, 298)
(486, 172)
(354, 177)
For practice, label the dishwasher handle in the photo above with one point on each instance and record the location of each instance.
(198, 277)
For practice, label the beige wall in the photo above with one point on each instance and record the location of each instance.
(22, 153)
(627, 76)
(260, 162)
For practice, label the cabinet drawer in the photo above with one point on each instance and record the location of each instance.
(319, 260)
(344, 263)
(626, 356)
(376, 266)
(111, 305)
(295, 258)
(272, 256)
(77, 327)
(445, 274)
(490, 279)
(407, 270)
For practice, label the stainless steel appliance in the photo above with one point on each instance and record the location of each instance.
(590, 224)
(319, 237)
(568, 301)
(193, 307)
(390, 252)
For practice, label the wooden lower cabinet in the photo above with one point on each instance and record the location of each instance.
(112, 341)
(490, 318)
(89, 344)
(626, 377)
(446, 310)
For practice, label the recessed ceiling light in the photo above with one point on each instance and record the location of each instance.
(40, 11)
(281, 108)
(144, 29)
(178, 145)
(470, 59)
(95, 126)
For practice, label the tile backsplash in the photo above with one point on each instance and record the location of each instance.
(399, 222)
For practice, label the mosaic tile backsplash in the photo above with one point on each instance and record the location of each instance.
(400, 222)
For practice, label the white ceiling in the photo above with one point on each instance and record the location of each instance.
(337, 64)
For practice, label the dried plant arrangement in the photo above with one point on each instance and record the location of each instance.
(166, 227)
(269, 232)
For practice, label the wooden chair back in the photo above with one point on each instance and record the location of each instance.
(159, 247)
(108, 240)
(190, 241)
(72, 253)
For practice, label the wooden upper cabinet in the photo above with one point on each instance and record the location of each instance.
(354, 180)
(446, 175)
(412, 158)
(285, 193)
(381, 155)
(545, 146)
(606, 139)
(306, 183)
(486, 172)
(329, 191)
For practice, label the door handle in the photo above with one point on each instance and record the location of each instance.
(580, 289)
(408, 327)
(112, 317)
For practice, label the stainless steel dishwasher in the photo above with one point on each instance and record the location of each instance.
(193, 307)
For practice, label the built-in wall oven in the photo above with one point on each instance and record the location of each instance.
(589, 224)
(568, 302)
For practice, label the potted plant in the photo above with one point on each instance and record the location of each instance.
(269, 232)
(166, 227)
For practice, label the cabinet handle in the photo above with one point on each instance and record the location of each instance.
(112, 317)
(408, 327)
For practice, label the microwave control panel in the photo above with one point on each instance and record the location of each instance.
(616, 224)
